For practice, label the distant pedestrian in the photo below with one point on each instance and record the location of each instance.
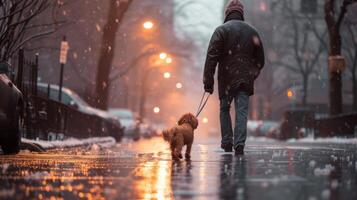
(237, 49)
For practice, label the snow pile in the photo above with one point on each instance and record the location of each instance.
(260, 139)
(324, 171)
(335, 140)
(312, 163)
(326, 194)
(73, 142)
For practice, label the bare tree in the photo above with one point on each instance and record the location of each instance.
(17, 25)
(116, 13)
(200, 37)
(306, 44)
(350, 50)
(334, 19)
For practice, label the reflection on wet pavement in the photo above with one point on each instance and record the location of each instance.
(144, 170)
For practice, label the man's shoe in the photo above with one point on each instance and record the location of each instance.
(227, 147)
(239, 151)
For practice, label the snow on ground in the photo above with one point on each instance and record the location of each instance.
(73, 142)
(332, 140)
(260, 139)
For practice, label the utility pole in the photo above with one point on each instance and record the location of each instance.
(63, 61)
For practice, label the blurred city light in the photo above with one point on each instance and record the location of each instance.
(148, 25)
(205, 120)
(156, 110)
(168, 60)
(263, 6)
(178, 85)
(163, 56)
(290, 93)
(167, 75)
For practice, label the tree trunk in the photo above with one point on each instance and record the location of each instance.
(143, 95)
(335, 77)
(126, 95)
(333, 27)
(115, 16)
(305, 90)
(354, 79)
(354, 92)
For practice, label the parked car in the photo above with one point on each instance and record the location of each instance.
(261, 128)
(11, 103)
(110, 123)
(149, 129)
(146, 130)
(158, 128)
(128, 120)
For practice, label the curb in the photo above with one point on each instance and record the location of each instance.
(42, 146)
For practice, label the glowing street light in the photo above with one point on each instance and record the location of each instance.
(168, 60)
(163, 56)
(167, 75)
(290, 93)
(179, 85)
(156, 110)
(205, 120)
(148, 25)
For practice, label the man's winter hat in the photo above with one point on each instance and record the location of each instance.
(234, 5)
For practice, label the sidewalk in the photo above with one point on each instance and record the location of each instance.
(269, 169)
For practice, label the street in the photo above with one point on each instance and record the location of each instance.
(144, 170)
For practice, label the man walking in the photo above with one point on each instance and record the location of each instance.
(237, 49)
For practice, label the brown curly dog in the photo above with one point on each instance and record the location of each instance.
(181, 135)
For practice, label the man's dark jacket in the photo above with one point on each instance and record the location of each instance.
(237, 49)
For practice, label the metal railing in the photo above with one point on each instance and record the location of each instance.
(42, 116)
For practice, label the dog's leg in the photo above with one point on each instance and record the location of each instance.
(178, 150)
(188, 151)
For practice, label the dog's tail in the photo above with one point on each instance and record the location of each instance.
(169, 135)
(166, 135)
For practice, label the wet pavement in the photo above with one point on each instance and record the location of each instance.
(144, 170)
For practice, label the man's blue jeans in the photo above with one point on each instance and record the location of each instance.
(241, 102)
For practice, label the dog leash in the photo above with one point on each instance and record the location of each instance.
(201, 106)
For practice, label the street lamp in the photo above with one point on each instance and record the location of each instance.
(290, 94)
(168, 60)
(179, 85)
(156, 110)
(148, 25)
(205, 120)
(163, 56)
(167, 75)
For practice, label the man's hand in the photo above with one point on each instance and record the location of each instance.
(209, 89)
